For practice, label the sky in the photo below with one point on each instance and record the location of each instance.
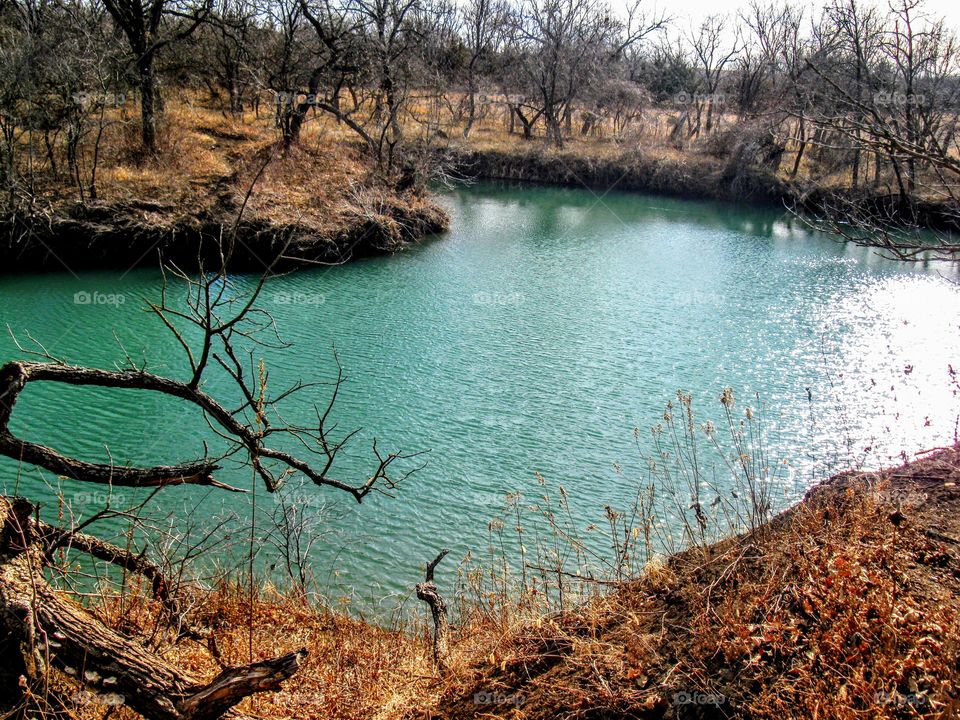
(691, 12)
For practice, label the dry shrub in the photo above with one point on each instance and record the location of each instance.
(842, 615)
(844, 607)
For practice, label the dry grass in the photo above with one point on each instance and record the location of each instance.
(649, 133)
(354, 669)
(845, 607)
(208, 156)
(208, 161)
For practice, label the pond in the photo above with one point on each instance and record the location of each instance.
(534, 337)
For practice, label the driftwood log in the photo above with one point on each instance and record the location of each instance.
(427, 591)
(41, 628)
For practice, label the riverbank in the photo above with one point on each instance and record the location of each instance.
(220, 182)
(140, 233)
(845, 606)
(689, 175)
(221, 177)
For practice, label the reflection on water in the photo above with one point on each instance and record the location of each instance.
(531, 338)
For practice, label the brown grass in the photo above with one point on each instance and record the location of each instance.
(649, 133)
(208, 161)
(846, 606)
(208, 156)
(354, 669)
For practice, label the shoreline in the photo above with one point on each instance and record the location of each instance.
(124, 236)
(699, 179)
(140, 232)
(780, 621)
(791, 619)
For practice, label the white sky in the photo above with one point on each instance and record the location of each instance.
(691, 12)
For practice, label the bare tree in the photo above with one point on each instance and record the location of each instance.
(894, 102)
(285, 56)
(483, 23)
(149, 28)
(359, 68)
(777, 32)
(233, 36)
(713, 51)
(387, 27)
(562, 46)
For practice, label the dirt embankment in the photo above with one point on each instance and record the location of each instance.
(318, 201)
(845, 606)
(696, 176)
(130, 234)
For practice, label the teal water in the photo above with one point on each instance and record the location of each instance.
(532, 338)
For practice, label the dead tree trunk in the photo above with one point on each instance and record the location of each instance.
(49, 629)
(427, 591)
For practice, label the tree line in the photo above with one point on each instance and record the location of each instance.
(869, 93)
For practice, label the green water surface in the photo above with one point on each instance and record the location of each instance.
(533, 337)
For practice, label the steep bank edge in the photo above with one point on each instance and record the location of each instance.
(124, 236)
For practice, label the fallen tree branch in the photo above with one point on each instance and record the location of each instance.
(13, 378)
(16, 374)
(55, 538)
(234, 684)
